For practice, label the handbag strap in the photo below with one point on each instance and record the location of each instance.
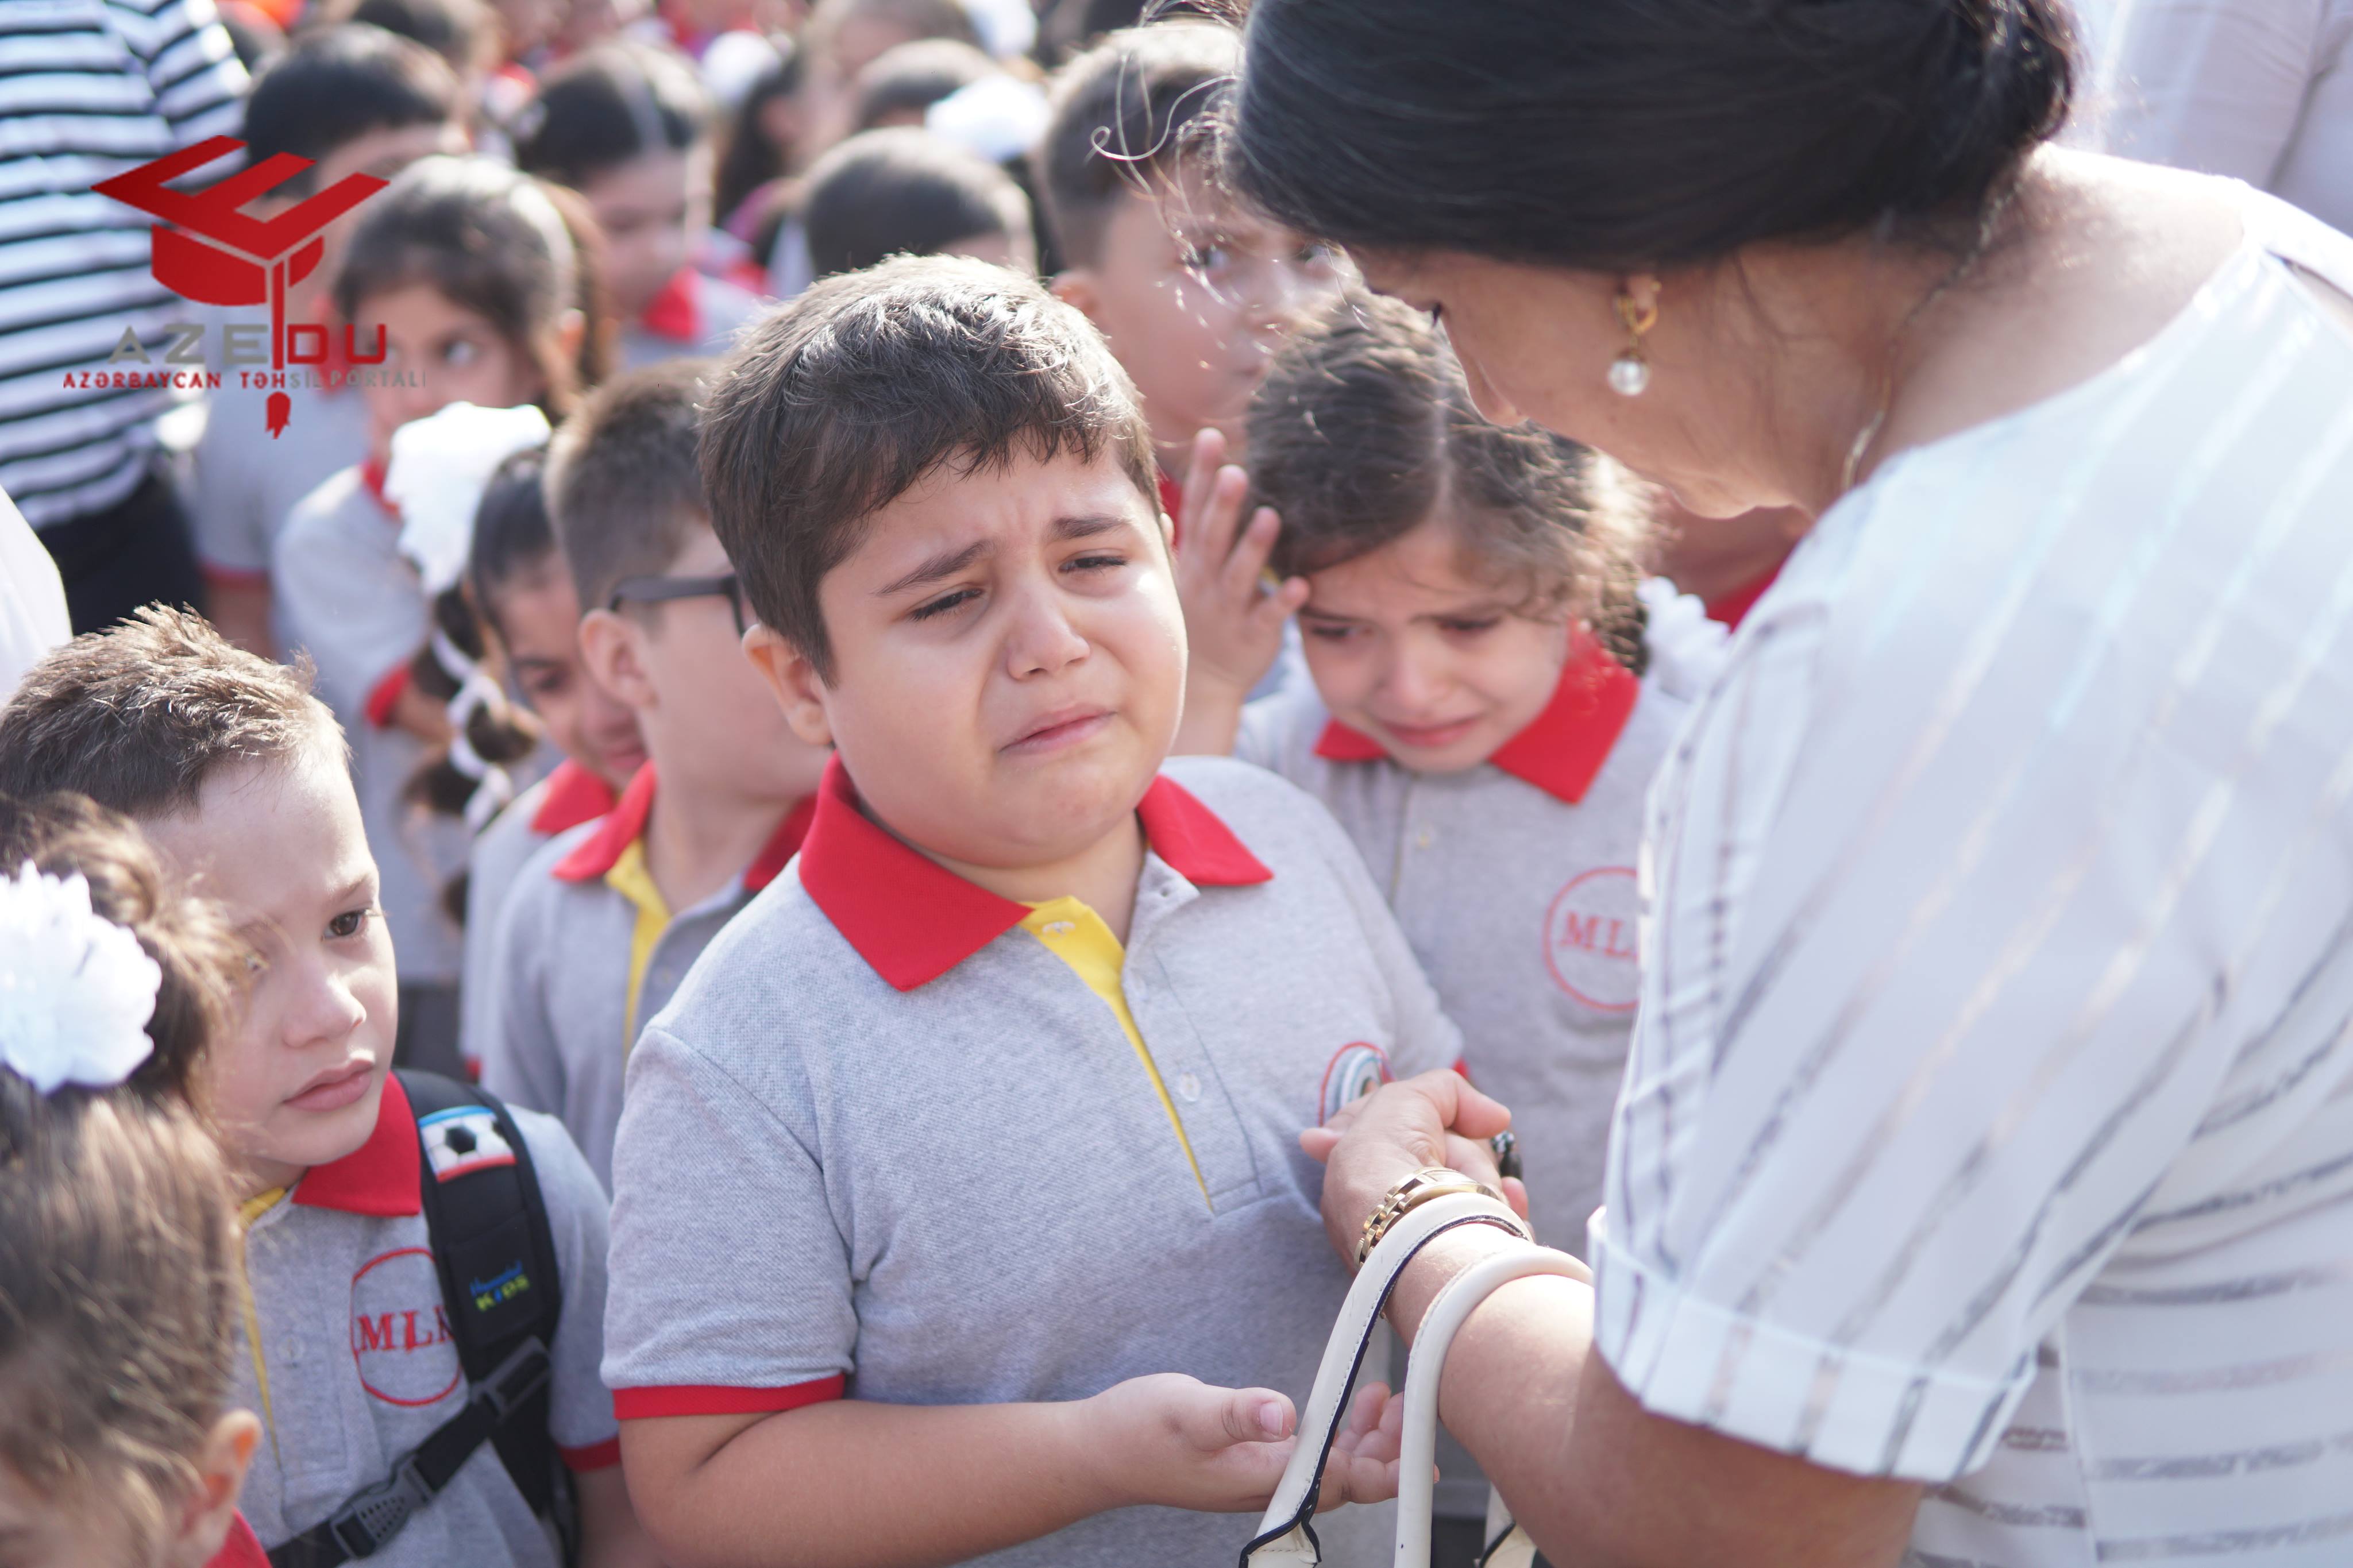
(1426, 1365)
(1285, 1539)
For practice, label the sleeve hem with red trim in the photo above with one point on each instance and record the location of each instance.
(648, 1403)
(385, 697)
(601, 1456)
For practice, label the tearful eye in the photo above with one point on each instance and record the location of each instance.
(350, 923)
(942, 605)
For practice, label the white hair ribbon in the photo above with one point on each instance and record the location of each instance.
(76, 989)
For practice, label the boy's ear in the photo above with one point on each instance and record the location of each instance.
(793, 679)
(612, 647)
(211, 1508)
(1077, 289)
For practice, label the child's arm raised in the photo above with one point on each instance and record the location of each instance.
(1233, 620)
(855, 1484)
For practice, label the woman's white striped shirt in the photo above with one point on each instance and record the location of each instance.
(1990, 1118)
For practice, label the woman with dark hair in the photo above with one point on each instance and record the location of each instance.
(1981, 1186)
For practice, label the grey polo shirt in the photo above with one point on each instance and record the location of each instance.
(569, 796)
(247, 481)
(882, 1135)
(359, 1363)
(574, 944)
(695, 315)
(1515, 881)
(353, 603)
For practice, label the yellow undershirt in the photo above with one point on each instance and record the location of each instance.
(252, 1209)
(633, 880)
(1074, 933)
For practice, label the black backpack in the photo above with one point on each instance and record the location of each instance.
(488, 1223)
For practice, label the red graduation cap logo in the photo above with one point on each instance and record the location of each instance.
(225, 258)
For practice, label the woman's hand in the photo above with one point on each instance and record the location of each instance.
(1233, 620)
(1435, 1119)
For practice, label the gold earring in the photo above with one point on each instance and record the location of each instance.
(1629, 372)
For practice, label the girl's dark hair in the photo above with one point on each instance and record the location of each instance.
(501, 244)
(512, 535)
(117, 1246)
(1364, 430)
(747, 159)
(1614, 134)
(903, 191)
(607, 106)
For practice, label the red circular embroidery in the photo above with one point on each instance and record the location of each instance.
(1588, 939)
(399, 1314)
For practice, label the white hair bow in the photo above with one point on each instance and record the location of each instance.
(76, 989)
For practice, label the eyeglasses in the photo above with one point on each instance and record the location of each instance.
(658, 589)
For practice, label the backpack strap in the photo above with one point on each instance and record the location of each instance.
(488, 1221)
(495, 1253)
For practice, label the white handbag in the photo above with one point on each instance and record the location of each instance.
(1286, 1538)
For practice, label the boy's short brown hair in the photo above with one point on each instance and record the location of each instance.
(837, 405)
(1122, 112)
(139, 716)
(623, 490)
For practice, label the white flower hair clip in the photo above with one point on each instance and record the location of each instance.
(439, 467)
(76, 989)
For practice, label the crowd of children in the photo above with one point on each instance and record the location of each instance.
(905, 805)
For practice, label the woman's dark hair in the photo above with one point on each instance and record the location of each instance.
(1364, 430)
(512, 536)
(606, 107)
(1613, 134)
(516, 252)
(747, 158)
(903, 191)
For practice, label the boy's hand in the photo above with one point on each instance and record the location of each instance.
(1179, 1442)
(1233, 621)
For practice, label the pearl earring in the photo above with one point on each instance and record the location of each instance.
(1629, 372)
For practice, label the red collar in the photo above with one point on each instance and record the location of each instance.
(380, 1176)
(677, 311)
(574, 795)
(914, 921)
(372, 480)
(1732, 606)
(1563, 747)
(626, 824)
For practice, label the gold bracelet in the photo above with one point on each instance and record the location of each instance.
(1431, 1181)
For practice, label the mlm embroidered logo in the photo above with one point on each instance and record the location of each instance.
(401, 1342)
(226, 256)
(1589, 938)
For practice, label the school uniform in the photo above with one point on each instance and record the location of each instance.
(353, 603)
(246, 480)
(586, 952)
(569, 796)
(345, 1348)
(1515, 882)
(694, 314)
(899, 1139)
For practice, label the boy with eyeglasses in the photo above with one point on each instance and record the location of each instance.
(607, 918)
